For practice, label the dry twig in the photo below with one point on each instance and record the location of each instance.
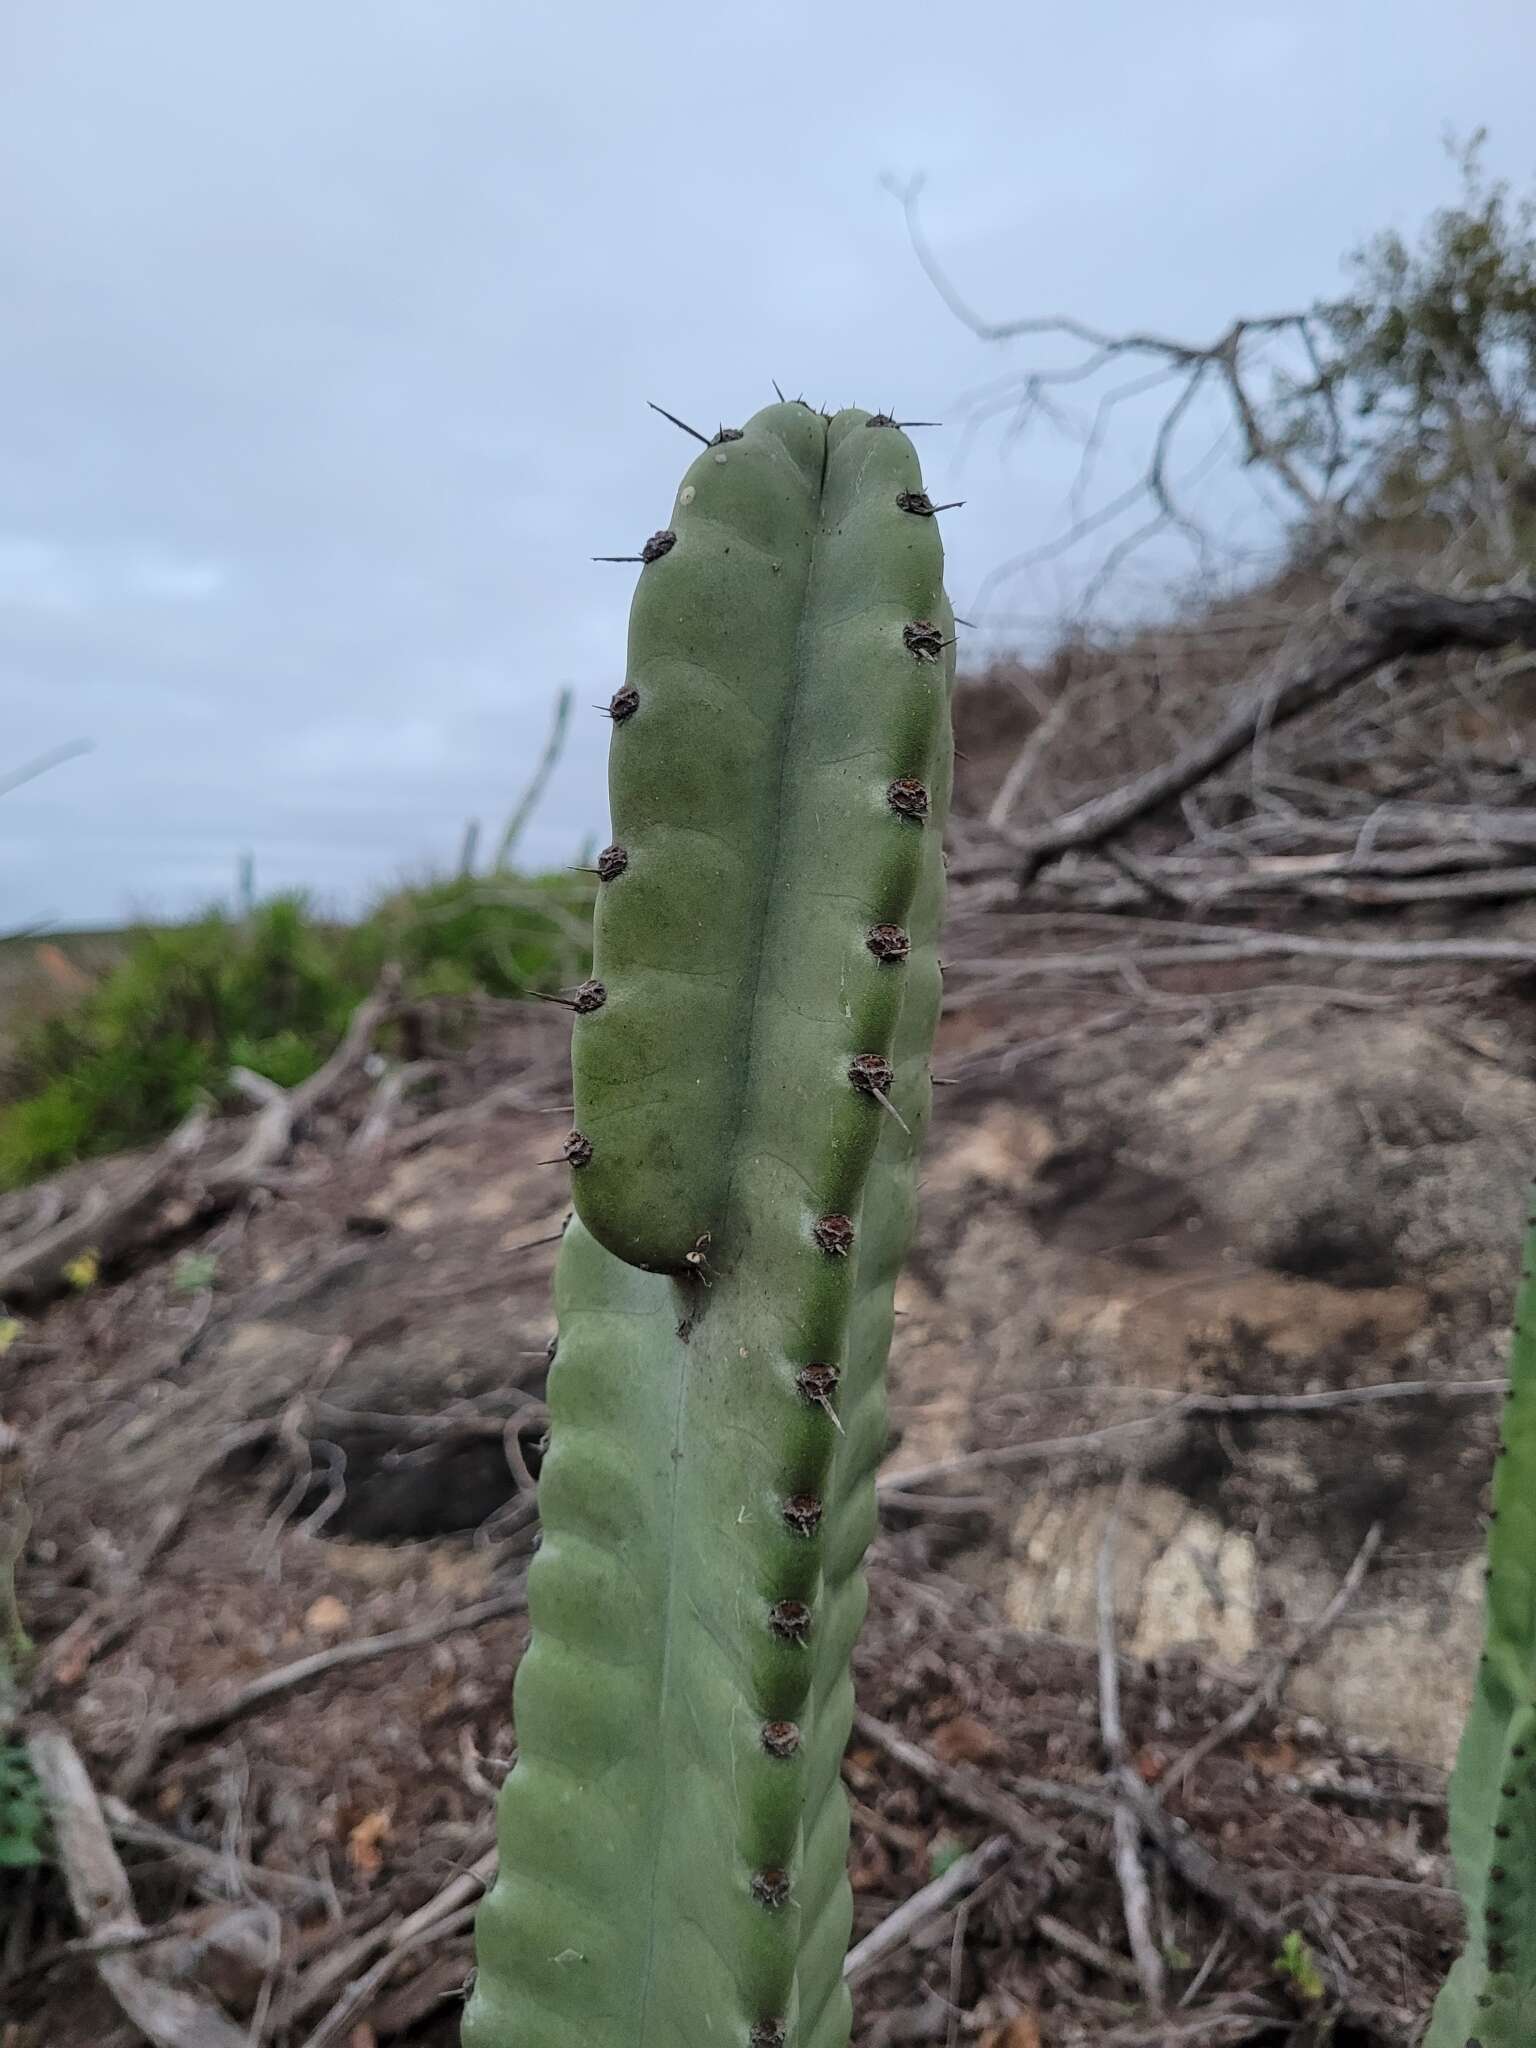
(962, 1876)
(386, 1944)
(218, 1714)
(962, 1787)
(168, 2015)
(1132, 1878)
(1180, 1408)
(1267, 1693)
(369, 1137)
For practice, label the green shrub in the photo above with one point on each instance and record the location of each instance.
(270, 990)
(504, 934)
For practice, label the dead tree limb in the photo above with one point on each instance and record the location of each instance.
(1389, 624)
(1003, 974)
(1227, 363)
(369, 1137)
(284, 1111)
(1487, 882)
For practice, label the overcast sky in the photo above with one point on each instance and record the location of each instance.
(327, 326)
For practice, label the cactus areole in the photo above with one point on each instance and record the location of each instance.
(750, 1097)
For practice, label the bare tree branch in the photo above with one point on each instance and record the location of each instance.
(1390, 624)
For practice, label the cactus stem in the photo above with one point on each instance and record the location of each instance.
(795, 665)
(672, 416)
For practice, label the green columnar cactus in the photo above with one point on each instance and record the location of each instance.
(1489, 2000)
(751, 1086)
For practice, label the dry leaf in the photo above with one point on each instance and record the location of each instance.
(363, 1850)
(965, 1740)
(327, 1617)
(71, 1669)
(1271, 1759)
(1020, 2032)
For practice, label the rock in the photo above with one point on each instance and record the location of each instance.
(1360, 1152)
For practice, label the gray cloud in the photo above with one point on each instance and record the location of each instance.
(328, 332)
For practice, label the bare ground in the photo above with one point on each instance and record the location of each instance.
(312, 1451)
(1215, 1257)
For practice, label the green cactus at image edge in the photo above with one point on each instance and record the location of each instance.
(751, 1084)
(1489, 2000)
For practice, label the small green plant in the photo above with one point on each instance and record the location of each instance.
(21, 1810)
(750, 1069)
(1295, 1963)
(194, 1272)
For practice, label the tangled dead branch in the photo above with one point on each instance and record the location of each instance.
(1388, 625)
